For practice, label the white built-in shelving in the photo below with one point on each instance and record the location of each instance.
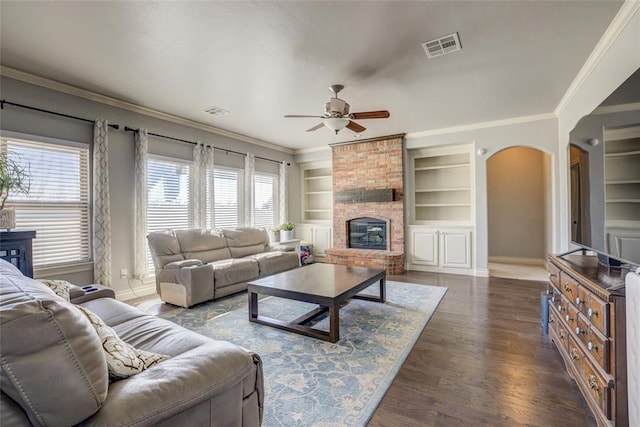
(622, 175)
(317, 190)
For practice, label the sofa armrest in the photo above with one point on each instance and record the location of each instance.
(218, 371)
(273, 247)
(176, 265)
(80, 294)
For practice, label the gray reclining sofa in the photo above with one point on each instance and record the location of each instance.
(195, 265)
(54, 371)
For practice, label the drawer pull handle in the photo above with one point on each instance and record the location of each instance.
(579, 331)
(574, 354)
(552, 319)
(552, 275)
(560, 308)
(593, 382)
(591, 312)
(568, 318)
(591, 346)
(579, 301)
(561, 333)
(567, 288)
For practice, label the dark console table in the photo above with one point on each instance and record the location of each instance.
(16, 248)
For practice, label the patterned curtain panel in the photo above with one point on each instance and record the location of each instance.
(284, 193)
(140, 160)
(101, 212)
(202, 186)
(249, 174)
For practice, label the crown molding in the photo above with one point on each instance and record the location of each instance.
(312, 149)
(374, 139)
(619, 23)
(114, 102)
(481, 125)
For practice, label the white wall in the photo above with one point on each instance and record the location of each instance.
(121, 172)
(516, 203)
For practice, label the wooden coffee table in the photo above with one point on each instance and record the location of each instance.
(327, 285)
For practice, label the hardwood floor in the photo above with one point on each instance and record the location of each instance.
(482, 360)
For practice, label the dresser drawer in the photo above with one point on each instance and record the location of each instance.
(598, 388)
(571, 316)
(554, 275)
(576, 355)
(598, 348)
(568, 287)
(581, 330)
(598, 313)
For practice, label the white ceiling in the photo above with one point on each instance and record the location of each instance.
(262, 60)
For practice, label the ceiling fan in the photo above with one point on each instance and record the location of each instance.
(336, 114)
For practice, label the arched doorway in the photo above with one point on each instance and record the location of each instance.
(519, 213)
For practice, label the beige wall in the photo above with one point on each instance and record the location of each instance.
(516, 203)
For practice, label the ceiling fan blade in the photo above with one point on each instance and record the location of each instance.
(316, 127)
(382, 114)
(289, 116)
(356, 127)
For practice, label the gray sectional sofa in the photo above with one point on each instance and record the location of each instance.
(196, 265)
(54, 370)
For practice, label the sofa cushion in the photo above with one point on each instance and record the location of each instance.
(246, 241)
(45, 339)
(275, 262)
(234, 270)
(205, 245)
(59, 287)
(123, 359)
(164, 247)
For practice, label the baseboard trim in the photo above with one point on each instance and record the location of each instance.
(132, 293)
(518, 260)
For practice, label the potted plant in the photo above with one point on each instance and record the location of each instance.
(286, 231)
(14, 179)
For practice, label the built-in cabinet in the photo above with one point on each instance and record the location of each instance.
(319, 235)
(317, 207)
(440, 209)
(622, 192)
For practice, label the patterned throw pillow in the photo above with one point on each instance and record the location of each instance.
(123, 359)
(59, 287)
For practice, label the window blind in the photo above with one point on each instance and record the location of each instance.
(227, 197)
(265, 196)
(57, 205)
(169, 201)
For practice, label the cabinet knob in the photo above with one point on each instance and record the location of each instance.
(591, 346)
(579, 301)
(560, 308)
(574, 354)
(591, 312)
(579, 331)
(553, 298)
(593, 382)
(552, 275)
(561, 333)
(568, 318)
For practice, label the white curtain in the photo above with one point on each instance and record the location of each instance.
(140, 160)
(101, 212)
(249, 173)
(203, 157)
(283, 182)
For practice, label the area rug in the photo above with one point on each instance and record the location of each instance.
(309, 382)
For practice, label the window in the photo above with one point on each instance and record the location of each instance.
(227, 198)
(57, 205)
(169, 204)
(265, 208)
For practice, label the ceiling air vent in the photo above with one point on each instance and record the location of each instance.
(442, 45)
(216, 111)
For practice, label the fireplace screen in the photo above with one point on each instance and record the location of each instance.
(368, 233)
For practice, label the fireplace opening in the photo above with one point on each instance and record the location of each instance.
(367, 233)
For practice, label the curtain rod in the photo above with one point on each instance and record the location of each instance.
(3, 101)
(128, 129)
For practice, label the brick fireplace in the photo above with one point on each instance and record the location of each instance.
(368, 182)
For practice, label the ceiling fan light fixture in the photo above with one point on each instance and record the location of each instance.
(336, 123)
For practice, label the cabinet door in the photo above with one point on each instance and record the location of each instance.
(322, 240)
(304, 232)
(424, 247)
(456, 249)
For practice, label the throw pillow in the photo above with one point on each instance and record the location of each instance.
(123, 360)
(59, 287)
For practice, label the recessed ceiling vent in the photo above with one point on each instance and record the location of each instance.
(216, 111)
(442, 45)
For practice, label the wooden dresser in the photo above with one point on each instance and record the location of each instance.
(587, 324)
